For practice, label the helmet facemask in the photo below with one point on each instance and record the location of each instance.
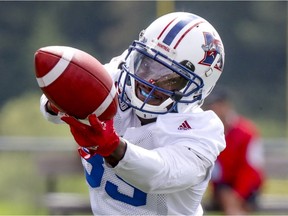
(185, 58)
(156, 83)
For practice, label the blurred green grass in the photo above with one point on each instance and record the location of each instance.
(22, 186)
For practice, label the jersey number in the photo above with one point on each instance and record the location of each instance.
(95, 177)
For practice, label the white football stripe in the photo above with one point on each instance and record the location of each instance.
(105, 104)
(58, 69)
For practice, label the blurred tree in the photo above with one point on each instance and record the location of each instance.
(254, 35)
(105, 29)
(21, 117)
(25, 26)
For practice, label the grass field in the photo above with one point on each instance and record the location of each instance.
(22, 186)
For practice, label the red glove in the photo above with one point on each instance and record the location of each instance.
(100, 138)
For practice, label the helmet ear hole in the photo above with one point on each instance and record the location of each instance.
(188, 65)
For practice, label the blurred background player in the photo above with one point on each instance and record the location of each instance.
(238, 173)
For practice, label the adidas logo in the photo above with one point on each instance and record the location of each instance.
(184, 126)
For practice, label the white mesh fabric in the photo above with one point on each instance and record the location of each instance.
(110, 195)
(102, 203)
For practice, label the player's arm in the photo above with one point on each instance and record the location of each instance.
(96, 137)
(117, 155)
(163, 170)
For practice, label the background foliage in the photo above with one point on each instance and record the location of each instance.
(254, 35)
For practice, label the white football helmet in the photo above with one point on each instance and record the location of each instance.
(172, 67)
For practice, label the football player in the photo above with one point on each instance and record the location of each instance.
(156, 156)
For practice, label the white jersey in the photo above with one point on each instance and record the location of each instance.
(166, 167)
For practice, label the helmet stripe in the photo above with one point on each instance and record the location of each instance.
(165, 28)
(176, 29)
(196, 24)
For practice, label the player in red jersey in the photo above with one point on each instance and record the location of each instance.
(238, 173)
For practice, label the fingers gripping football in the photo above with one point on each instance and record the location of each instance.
(51, 108)
(99, 137)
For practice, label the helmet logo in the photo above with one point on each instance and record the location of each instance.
(212, 47)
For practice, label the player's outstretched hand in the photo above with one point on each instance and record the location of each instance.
(99, 137)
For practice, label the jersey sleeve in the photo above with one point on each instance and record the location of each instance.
(52, 118)
(178, 159)
(163, 170)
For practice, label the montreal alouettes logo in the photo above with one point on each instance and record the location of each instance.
(212, 47)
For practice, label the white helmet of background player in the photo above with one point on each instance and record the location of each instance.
(173, 66)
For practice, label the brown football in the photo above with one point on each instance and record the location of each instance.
(76, 82)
